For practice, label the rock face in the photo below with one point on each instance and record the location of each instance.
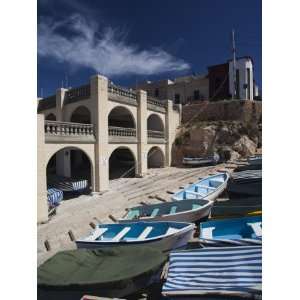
(230, 139)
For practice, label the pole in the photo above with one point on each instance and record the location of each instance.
(233, 66)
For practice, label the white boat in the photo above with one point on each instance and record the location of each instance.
(181, 211)
(164, 236)
(209, 188)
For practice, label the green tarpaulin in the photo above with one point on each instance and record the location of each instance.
(102, 272)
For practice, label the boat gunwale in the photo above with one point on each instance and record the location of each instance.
(209, 203)
(187, 228)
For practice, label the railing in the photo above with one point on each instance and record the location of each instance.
(156, 134)
(46, 103)
(113, 89)
(79, 93)
(156, 102)
(68, 130)
(156, 105)
(121, 131)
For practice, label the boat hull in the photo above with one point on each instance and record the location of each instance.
(190, 216)
(211, 196)
(164, 244)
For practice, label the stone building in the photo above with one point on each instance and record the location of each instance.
(101, 131)
(217, 84)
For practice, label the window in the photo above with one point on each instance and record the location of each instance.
(196, 95)
(177, 99)
(156, 93)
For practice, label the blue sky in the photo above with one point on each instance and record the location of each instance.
(131, 41)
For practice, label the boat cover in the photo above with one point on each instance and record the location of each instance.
(215, 271)
(231, 232)
(67, 184)
(54, 196)
(238, 207)
(101, 272)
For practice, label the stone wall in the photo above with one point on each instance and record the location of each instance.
(227, 110)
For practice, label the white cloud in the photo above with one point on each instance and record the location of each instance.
(106, 52)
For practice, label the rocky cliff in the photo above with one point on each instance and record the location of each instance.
(231, 137)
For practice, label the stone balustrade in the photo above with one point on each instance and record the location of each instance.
(67, 131)
(121, 131)
(156, 134)
(78, 93)
(156, 137)
(156, 105)
(121, 135)
(114, 89)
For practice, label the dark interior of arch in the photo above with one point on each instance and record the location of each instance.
(155, 158)
(50, 117)
(78, 162)
(120, 117)
(155, 123)
(81, 115)
(121, 164)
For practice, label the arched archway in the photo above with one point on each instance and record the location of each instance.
(155, 123)
(69, 164)
(121, 117)
(50, 117)
(81, 115)
(155, 158)
(122, 163)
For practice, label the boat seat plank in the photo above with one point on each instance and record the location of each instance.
(154, 212)
(205, 187)
(97, 233)
(121, 234)
(171, 230)
(196, 206)
(173, 209)
(145, 233)
(195, 193)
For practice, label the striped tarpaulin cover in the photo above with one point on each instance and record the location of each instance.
(67, 184)
(54, 196)
(215, 271)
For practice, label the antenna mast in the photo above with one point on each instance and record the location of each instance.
(233, 66)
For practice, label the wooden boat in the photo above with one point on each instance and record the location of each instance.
(208, 188)
(247, 182)
(203, 160)
(183, 211)
(236, 207)
(237, 231)
(109, 273)
(164, 236)
(215, 273)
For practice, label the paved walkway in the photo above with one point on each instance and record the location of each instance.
(76, 214)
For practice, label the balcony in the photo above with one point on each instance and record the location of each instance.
(122, 95)
(156, 137)
(67, 132)
(156, 105)
(121, 135)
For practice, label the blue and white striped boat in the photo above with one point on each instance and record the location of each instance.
(237, 231)
(221, 271)
(164, 236)
(54, 197)
(208, 188)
